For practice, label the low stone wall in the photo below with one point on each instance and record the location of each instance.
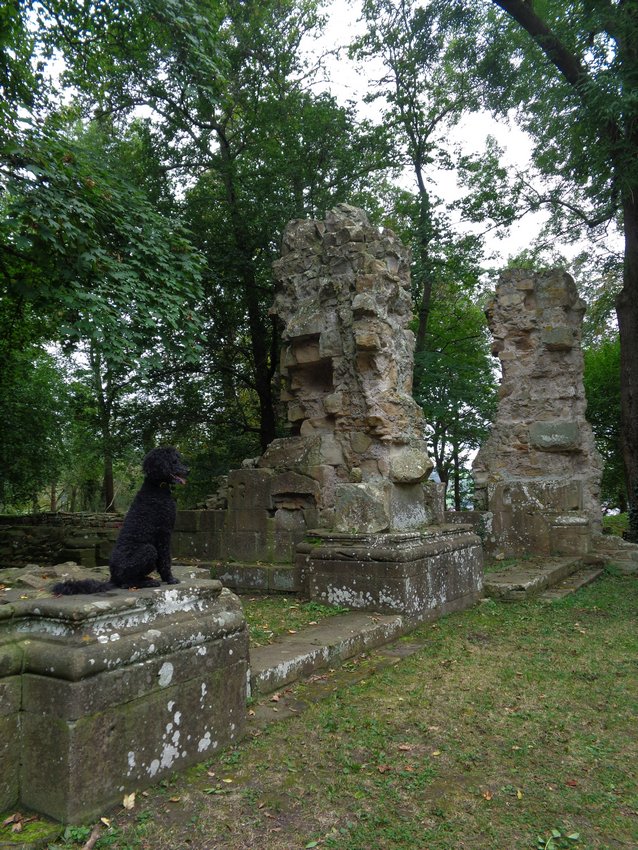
(89, 539)
(51, 538)
(100, 696)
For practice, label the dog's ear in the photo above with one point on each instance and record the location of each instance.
(157, 464)
(164, 464)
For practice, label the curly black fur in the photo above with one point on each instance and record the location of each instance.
(144, 542)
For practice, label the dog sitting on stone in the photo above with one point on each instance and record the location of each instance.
(144, 542)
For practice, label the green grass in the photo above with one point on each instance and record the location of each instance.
(268, 617)
(512, 728)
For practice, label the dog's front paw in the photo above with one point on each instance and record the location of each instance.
(172, 580)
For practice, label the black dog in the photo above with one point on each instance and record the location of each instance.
(144, 543)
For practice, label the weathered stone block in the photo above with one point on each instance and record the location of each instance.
(361, 508)
(421, 575)
(409, 464)
(249, 489)
(122, 688)
(242, 577)
(407, 507)
(248, 546)
(558, 338)
(556, 436)
(570, 535)
(10, 741)
(87, 557)
(212, 520)
(188, 521)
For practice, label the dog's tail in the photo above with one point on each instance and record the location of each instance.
(86, 585)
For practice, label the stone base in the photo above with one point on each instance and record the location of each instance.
(105, 694)
(421, 575)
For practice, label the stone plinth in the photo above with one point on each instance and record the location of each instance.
(421, 574)
(105, 694)
(538, 474)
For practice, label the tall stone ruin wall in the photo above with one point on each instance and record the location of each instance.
(539, 471)
(343, 297)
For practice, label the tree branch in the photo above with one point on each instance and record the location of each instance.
(567, 63)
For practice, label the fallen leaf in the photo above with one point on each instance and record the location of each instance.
(17, 826)
(406, 748)
(105, 821)
(129, 801)
(312, 623)
(572, 783)
(174, 799)
(275, 698)
(292, 631)
(227, 780)
(519, 794)
(487, 795)
(384, 768)
(12, 819)
(436, 753)
(251, 713)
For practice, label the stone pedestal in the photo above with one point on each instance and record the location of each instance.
(420, 574)
(103, 695)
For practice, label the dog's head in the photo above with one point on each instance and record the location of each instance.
(165, 464)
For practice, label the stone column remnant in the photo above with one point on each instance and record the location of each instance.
(344, 300)
(539, 471)
(342, 508)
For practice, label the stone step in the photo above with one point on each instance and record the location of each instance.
(571, 584)
(528, 578)
(325, 645)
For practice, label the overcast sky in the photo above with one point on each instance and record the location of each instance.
(349, 83)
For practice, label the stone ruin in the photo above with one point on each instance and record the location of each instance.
(102, 695)
(538, 474)
(353, 474)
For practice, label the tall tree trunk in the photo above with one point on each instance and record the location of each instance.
(108, 488)
(627, 312)
(102, 395)
(262, 368)
(424, 270)
(457, 475)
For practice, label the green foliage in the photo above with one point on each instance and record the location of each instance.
(602, 388)
(615, 524)
(84, 244)
(33, 400)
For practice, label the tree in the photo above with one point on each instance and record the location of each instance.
(230, 104)
(33, 400)
(602, 387)
(84, 247)
(426, 88)
(574, 74)
(455, 383)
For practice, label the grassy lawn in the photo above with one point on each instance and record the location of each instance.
(271, 616)
(515, 726)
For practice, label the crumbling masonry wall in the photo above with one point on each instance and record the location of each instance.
(539, 472)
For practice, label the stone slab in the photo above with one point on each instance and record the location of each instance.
(329, 643)
(574, 582)
(526, 579)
